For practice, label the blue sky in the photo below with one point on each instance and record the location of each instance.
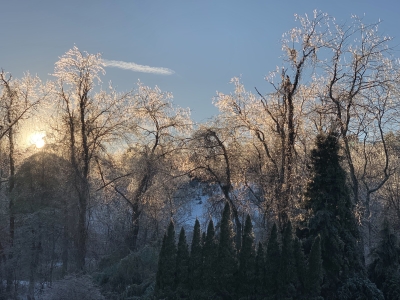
(203, 43)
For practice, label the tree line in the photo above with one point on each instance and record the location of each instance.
(215, 269)
(321, 261)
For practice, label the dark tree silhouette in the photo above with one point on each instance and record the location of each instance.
(227, 256)
(246, 276)
(165, 278)
(182, 266)
(331, 216)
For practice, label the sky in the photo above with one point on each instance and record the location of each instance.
(189, 48)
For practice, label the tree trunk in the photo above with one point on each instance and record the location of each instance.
(10, 269)
(82, 231)
(35, 251)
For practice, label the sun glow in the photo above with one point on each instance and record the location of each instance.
(37, 139)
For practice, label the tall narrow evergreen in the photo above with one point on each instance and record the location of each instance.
(246, 275)
(287, 270)
(210, 256)
(259, 271)
(273, 258)
(160, 269)
(182, 266)
(301, 268)
(227, 257)
(165, 279)
(314, 274)
(331, 215)
(196, 260)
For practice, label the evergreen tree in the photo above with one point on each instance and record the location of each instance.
(359, 288)
(314, 274)
(287, 271)
(301, 268)
(182, 266)
(273, 258)
(196, 261)
(227, 257)
(246, 276)
(210, 256)
(331, 216)
(260, 271)
(160, 269)
(165, 278)
(391, 287)
(384, 268)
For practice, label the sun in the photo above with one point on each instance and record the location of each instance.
(37, 139)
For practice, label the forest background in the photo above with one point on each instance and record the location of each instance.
(107, 171)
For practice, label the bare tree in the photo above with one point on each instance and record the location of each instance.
(148, 173)
(91, 118)
(18, 99)
(340, 77)
(212, 159)
(272, 127)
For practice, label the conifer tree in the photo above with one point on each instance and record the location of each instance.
(260, 271)
(314, 274)
(182, 266)
(358, 287)
(210, 256)
(160, 269)
(246, 275)
(384, 269)
(301, 268)
(287, 269)
(165, 278)
(273, 258)
(331, 216)
(196, 260)
(227, 256)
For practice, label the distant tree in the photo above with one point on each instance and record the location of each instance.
(165, 278)
(43, 190)
(196, 260)
(246, 274)
(227, 256)
(272, 262)
(331, 215)
(210, 256)
(182, 266)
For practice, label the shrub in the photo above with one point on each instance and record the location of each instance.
(73, 287)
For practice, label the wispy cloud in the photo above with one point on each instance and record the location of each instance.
(137, 68)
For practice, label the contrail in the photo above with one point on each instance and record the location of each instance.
(137, 68)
